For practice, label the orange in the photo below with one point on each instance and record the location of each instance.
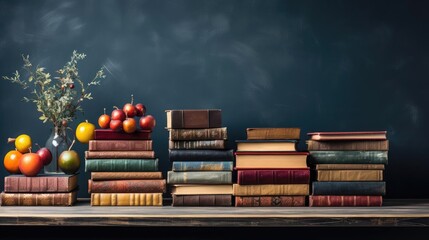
(11, 161)
(85, 132)
(23, 143)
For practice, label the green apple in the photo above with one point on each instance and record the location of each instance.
(69, 161)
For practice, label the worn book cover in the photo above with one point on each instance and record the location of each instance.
(270, 160)
(220, 200)
(126, 199)
(266, 145)
(42, 183)
(125, 175)
(38, 199)
(121, 165)
(349, 175)
(194, 118)
(346, 201)
(198, 134)
(273, 133)
(203, 177)
(350, 145)
(270, 176)
(119, 154)
(363, 135)
(127, 186)
(189, 166)
(198, 144)
(120, 145)
(271, 189)
(270, 201)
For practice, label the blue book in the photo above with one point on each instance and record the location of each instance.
(202, 166)
(343, 157)
(121, 165)
(349, 188)
(201, 155)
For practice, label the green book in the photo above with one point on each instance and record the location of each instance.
(345, 157)
(205, 177)
(121, 165)
(202, 166)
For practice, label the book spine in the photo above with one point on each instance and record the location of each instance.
(198, 134)
(202, 166)
(346, 201)
(40, 184)
(349, 166)
(201, 144)
(273, 133)
(125, 175)
(119, 154)
(271, 190)
(287, 176)
(127, 186)
(199, 177)
(102, 134)
(202, 200)
(126, 199)
(188, 119)
(121, 145)
(38, 199)
(349, 175)
(349, 188)
(373, 145)
(364, 157)
(270, 201)
(201, 155)
(121, 165)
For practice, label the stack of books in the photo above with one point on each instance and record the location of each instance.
(201, 173)
(349, 168)
(270, 170)
(42, 190)
(124, 169)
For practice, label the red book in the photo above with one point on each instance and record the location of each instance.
(108, 134)
(346, 201)
(270, 201)
(368, 135)
(281, 176)
(127, 186)
(119, 154)
(120, 145)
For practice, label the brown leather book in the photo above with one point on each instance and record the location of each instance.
(270, 160)
(349, 175)
(345, 201)
(270, 201)
(38, 199)
(120, 145)
(199, 144)
(108, 134)
(350, 145)
(126, 199)
(367, 135)
(119, 154)
(271, 189)
(125, 175)
(127, 186)
(349, 166)
(198, 118)
(198, 134)
(45, 183)
(273, 133)
(202, 200)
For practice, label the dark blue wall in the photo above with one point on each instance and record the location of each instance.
(318, 65)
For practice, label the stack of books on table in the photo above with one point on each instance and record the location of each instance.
(124, 169)
(270, 170)
(201, 173)
(349, 168)
(42, 190)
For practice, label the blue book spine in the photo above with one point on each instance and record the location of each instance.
(202, 166)
(201, 155)
(349, 188)
(344, 157)
(121, 165)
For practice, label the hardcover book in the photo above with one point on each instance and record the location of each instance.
(368, 135)
(349, 188)
(266, 145)
(108, 134)
(271, 189)
(349, 175)
(349, 166)
(202, 200)
(344, 157)
(201, 189)
(126, 199)
(351, 145)
(212, 177)
(127, 186)
(119, 154)
(270, 160)
(125, 175)
(121, 165)
(204, 118)
(198, 134)
(202, 166)
(120, 145)
(346, 201)
(273, 133)
(281, 176)
(201, 155)
(199, 144)
(38, 199)
(43, 183)
(270, 201)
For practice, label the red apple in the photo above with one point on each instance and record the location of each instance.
(45, 155)
(147, 122)
(118, 114)
(129, 125)
(104, 120)
(140, 110)
(129, 109)
(116, 125)
(30, 164)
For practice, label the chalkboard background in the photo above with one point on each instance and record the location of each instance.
(317, 65)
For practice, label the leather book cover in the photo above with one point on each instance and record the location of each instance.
(125, 175)
(203, 177)
(349, 188)
(198, 118)
(201, 155)
(271, 190)
(120, 145)
(270, 201)
(351, 145)
(362, 135)
(202, 166)
(44, 183)
(121, 165)
(348, 157)
(119, 154)
(127, 186)
(349, 166)
(198, 134)
(199, 144)
(345, 201)
(126, 199)
(273, 133)
(349, 175)
(281, 176)
(38, 199)
(108, 134)
(202, 200)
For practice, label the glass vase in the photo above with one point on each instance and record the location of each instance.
(56, 143)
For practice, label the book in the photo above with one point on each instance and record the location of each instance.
(108, 134)
(344, 157)
(266, 145)
(271, 189)
(367, 135)
(212, 177)
(273, 133)
(119, 154)
(120, 145)
(202, 166)
(38, 199)
(126, 199)
(198, 134)
(202, 200)
(345, 201)
(201, 189)
(349, 175)
(44, 183)
(270, 160)
(281, 176)
(198, 118)
(349, 166)
(270, 201)
(349, 188)
(201, 155)
(127, 186)
(125, 175)
(351, 145)
(121, 165)
(199, 144)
